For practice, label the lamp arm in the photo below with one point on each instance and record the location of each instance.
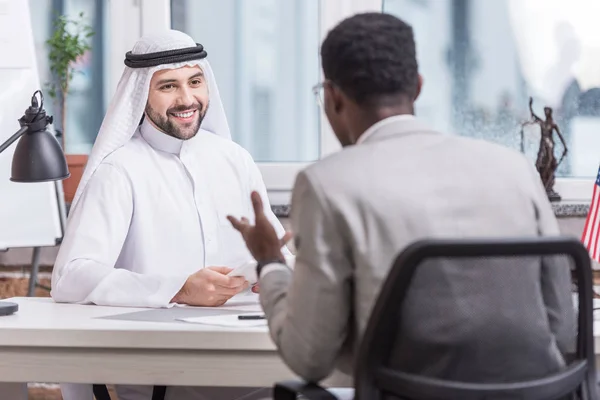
(13, 138)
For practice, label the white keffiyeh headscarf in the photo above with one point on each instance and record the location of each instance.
(129, 102)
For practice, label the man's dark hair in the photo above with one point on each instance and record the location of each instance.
(371, 57)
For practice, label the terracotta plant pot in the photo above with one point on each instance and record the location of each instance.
(76, 163)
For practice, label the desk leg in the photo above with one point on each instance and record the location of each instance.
(13, 391)
(33, 275)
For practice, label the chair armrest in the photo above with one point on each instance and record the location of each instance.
(290, 390)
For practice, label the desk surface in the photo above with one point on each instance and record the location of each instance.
(49, 342)
(44, 323)
(40, 322)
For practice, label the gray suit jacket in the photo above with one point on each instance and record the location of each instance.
(353, 212)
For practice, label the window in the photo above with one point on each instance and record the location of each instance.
(481, 60)
(265, 57)
(86, 102)
(265, 54)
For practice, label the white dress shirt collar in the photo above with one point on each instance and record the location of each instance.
(160, 140)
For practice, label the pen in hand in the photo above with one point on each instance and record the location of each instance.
(252, 316)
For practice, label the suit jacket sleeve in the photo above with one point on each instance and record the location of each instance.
(556, 277)
(309, 315)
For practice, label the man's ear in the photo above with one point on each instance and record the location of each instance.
(419, 87)
(336, 97)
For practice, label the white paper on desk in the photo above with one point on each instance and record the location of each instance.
(254, 308)
(244, 302)
(231, 321)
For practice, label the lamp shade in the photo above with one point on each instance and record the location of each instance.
(38, 157)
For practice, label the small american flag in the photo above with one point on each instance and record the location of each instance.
(591, 231)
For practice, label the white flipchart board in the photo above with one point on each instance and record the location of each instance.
(30, 213)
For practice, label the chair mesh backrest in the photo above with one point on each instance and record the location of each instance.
(471, 312)
(486, 319)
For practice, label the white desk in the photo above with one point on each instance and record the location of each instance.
(49, 342)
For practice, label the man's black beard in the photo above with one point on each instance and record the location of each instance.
(167, 126)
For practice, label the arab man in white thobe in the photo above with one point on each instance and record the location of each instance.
(148, 225)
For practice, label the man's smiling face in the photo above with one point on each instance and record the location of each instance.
(177, 101)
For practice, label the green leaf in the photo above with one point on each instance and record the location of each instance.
(68, 41)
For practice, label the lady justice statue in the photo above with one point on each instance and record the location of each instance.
(546, 163)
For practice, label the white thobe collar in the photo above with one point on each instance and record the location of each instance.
(384, 122)
(160, 140)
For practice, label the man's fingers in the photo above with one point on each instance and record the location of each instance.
(233, 282)
(238, 225)
(221, 270)
(225, 281)
(227, 291)
(257, 204)
(218, 278)
(286, 238)
(234, 221)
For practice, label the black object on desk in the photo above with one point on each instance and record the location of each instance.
(8, 308)
(250, 317)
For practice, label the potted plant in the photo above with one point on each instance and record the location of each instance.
(69, 41)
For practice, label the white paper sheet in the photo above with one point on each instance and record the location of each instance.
(256, 308)
(231, 321)
(244, 302)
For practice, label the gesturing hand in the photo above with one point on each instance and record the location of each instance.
(210, 287)
(261, 238)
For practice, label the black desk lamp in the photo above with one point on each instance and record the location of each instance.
(38, 157)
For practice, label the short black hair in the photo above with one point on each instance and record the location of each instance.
(371, 56)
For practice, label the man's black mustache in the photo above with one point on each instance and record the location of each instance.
(192, 107)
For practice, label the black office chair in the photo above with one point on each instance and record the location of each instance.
(375, 379)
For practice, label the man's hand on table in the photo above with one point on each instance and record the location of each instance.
(210, 287)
